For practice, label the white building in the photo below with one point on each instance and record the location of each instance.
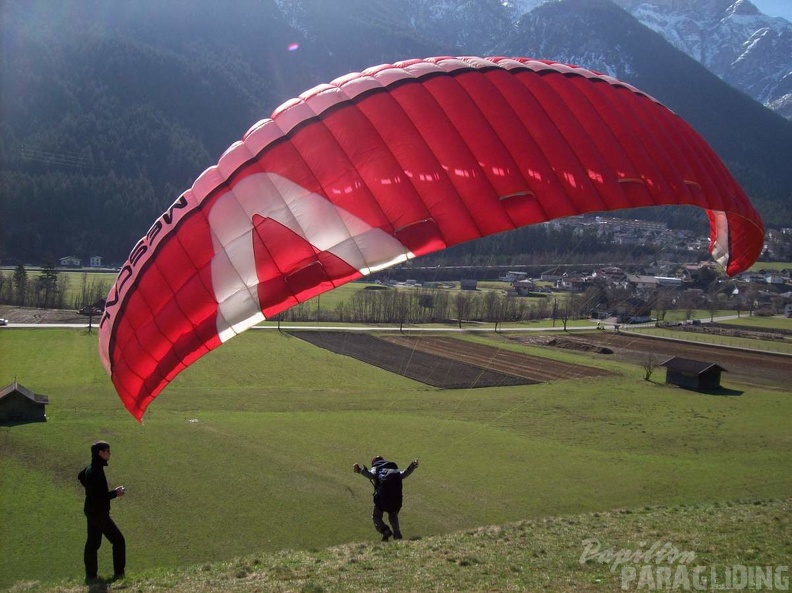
(70, 261)
(524, 287)
(668, 281)
(514, 276)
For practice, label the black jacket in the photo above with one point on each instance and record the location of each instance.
(97, 496)
(387, 480)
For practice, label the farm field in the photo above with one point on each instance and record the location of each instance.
(743, 366)
(441, 361)
(249, 451)
(449, 363)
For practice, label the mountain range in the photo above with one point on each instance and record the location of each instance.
(111, 110)
(733, 39)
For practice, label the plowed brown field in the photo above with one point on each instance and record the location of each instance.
(743, 366)
(448, 363)
(536, 368)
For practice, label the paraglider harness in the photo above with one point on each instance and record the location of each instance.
(387, 483)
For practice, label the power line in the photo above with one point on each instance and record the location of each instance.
(59, 159)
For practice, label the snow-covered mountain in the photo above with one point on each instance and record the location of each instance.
(733, 39)
(594, 34)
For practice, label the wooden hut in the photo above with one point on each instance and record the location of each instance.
(693, 374)
(19, 404)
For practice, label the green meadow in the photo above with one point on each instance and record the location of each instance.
(774, 322)
(250, 451)
(774, 266)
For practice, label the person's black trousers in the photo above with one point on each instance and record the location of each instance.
(382, 527)
(98, 527)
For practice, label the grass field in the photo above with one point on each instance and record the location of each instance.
(775, 322)
(745, 544)
(774, 265)
(250, 450)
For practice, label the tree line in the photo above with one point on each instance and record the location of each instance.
(416, 306)
(49, 289)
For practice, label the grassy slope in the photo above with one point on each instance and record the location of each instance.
(552, 553)
(251, 448)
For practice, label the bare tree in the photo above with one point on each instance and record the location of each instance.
(462, 304)
(649, 365)
(402, 309)
(663, 302)
(713, 305)
(554, 311)
(566, 311)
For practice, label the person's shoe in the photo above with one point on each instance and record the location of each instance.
(386, 535)
(118, 576)
(397, 535)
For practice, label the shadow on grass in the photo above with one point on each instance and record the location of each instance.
(98, 585)
(22, 422)
(103, 585)
(722, 391)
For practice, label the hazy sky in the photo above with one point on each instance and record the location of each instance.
(775, 7)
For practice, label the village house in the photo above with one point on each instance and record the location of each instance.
(70, 261)
(524, 287)
(550, 277)
(752, 277)
(642, 283)
(610, 274)
(693, 374)
(634, 310)
(668, 282)
(514, 276)
(19, 404)
(692, 272)
(659, 268)
(573, 282)
(775, 279)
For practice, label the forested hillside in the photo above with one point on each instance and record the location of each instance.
(111, 110)
(106, 121)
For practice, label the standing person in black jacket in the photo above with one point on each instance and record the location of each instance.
(387, 481)
(97, 510)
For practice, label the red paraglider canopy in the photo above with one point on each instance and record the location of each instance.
(385, 165)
